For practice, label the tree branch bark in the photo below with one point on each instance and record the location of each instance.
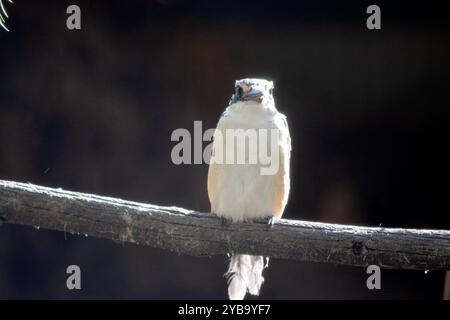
(200, 234)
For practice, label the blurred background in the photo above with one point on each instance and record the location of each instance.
(93, 111)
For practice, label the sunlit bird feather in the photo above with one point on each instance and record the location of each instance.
(3, 15)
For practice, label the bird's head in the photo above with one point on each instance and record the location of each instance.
(256, 90)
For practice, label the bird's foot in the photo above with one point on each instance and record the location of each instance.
(224, 222)
(270, 222)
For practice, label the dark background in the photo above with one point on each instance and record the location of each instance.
(93, 111)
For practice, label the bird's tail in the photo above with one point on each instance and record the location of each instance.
(245, 275)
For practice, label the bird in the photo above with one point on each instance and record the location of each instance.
(3, 15)
(243, 191)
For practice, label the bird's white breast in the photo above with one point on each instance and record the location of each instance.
(241, 192)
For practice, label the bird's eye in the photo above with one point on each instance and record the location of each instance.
(239, 91)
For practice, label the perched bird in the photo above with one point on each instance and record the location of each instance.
(244, 191)
(3, 15)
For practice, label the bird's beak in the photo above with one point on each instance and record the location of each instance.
(254, 94)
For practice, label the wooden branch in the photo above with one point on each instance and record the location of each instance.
(200, 234)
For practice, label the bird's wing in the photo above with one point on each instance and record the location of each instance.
(214, 168)
(283, 175)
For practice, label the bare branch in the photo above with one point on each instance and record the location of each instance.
(200, 234)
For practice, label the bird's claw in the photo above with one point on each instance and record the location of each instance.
(270, 222)
(224, 222)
